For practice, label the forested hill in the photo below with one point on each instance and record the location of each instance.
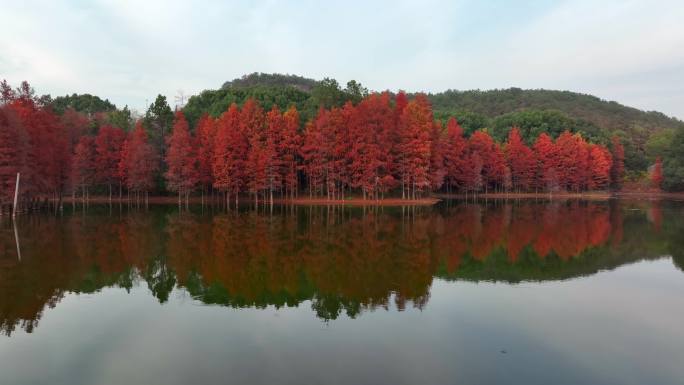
(645, 135)
(272, 80)
(606, 114)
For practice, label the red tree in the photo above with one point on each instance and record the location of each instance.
(313, 157)
(455, 155)
(14, 145)
(182, 175)
(289, 148)
(275, 125)
(415, 125)
(108, 144)
(205, 134)
(600, 162)
(437, 153)
(252, 124)
(521, 161)
(490, 153)
(546, 170)
(231, 147)
(573, 161)
(84, 166)
(138, 161)
(369, 149)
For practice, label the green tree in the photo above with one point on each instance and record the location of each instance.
(673, 164)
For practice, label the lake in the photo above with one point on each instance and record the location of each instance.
(566, 292)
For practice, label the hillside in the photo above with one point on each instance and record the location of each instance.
(271, 80)
(645, 135)
(602, 113)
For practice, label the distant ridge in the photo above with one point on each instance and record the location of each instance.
(256, 79)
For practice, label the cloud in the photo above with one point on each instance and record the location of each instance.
(128, 51)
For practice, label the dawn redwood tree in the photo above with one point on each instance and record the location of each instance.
(108, 144)
(231, 148)
(437, 151)
(491, 156)
(657, 174)
(546, 170)
(600, 162)
(472, 175)
(139, 162)
(252, 123)
(289, 149)
(370, 150)
(313, 157)
(455, 155)
(84, 166)
(573, 161)
(415, 125)
(521, 161)
(273, 143)
(181, 159)
(617, 170)
(14, 146)
(49, 154)
(205, 135)
(331, 125)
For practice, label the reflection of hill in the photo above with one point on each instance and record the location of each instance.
(343, 260)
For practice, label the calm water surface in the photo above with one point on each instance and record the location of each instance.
(498, 292)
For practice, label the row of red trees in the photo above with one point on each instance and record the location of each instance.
(55, 153)
(379, 145)
(374, 147)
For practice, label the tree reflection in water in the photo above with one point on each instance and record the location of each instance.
(343, 260)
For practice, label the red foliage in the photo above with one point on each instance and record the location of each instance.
(14, 145)
(372, 148)
(521, 161)
(546, 171)
(415, 125)
(252, 124)
(455, 156)
(138, 161)
(182, 174)
(230, 152)
(437, 154)
(490, 154)
(275, 125)
(84, 166)
(205, 134)
(600, 162)
(313, 155)
(108, 144)
(289, 148)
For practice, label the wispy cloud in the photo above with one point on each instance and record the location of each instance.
(128, 51)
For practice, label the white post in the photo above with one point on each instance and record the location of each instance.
(16, 238)
(16, 196)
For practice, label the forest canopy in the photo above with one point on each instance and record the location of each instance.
(267, 134)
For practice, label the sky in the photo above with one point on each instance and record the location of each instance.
(129, 51)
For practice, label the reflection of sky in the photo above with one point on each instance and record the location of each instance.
(621, 326)
(128, 51)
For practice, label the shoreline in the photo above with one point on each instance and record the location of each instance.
(546, 196)
(427, 201)
(194, 200)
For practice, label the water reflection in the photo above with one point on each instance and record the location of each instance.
(343, 260)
